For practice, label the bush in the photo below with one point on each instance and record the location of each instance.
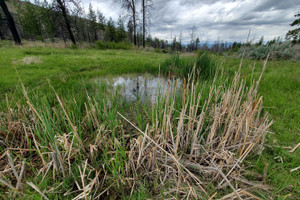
(100, 45)
(277, 51)
(165, 51)
(113, 45)
(74, 46)
(157, 50)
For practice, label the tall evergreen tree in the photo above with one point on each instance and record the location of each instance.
(197, 43)
(295, 33)
(30, 19)
(130, 30)
(93, 21)
(121, 32)
(130, 5)
(110, 32)
(49, 27)
(101, 20)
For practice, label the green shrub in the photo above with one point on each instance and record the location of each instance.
(124, 45)
(157, 50)
(260, 52)
(283, 51)
(277, 51)
(165, 51)
(100, 45)
(74, 46)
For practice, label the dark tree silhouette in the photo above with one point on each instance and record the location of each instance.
(1, 22)
(146, 5)
(11, 23)
(62, 6)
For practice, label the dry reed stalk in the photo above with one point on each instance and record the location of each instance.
(295, 169)
(296, 147)
(229, 125)
(166, 152)
(37, 189)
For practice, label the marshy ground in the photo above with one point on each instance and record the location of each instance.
(66, 133)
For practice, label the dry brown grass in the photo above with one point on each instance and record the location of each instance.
(58, 44)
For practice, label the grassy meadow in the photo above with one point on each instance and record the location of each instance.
(36, 64)
(63, 136)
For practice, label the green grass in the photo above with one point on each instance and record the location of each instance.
(58, 63)
(71, 73)
(280, 88)
(180, 65)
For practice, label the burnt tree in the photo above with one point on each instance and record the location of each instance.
(146, 5)
(11, 23)
(62, 7)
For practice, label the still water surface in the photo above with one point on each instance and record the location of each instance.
(143, 87)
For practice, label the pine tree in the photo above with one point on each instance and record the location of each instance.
(110, 32)
(93, 21)
(121, 33)
(295, 33)
(130, 30)
(130, 5)
(30, 20)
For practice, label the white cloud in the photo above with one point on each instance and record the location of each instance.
(108, 8)
(229, 20)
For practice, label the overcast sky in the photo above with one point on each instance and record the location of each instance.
(227, 20)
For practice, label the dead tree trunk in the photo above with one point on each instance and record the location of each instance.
(11, 23)
(134, 22)
(1, 22)
(144, 22)
(1, 35)
(64, 13)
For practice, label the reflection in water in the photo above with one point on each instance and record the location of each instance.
(143, 87)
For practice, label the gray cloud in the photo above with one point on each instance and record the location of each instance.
(228, 20)
(277, 5)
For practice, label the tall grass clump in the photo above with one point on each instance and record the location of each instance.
(91, 144)
(183, 65)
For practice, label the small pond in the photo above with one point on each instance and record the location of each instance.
(143, 87)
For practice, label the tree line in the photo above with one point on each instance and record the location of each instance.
(67, 20)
